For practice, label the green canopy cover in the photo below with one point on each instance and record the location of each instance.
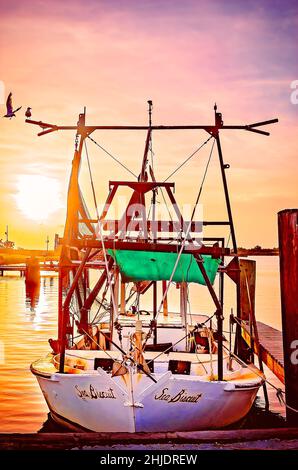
(156, 266)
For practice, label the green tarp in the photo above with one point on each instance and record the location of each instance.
(156, 266)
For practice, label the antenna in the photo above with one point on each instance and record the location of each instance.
(150, 103)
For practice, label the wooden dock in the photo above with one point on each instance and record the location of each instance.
(271, 348)
(21, 268)
(248, 439)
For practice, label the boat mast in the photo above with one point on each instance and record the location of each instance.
(223, 167)
(154, 234)
(71, 232)
(220, 318)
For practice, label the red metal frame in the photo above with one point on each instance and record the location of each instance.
(82, 249)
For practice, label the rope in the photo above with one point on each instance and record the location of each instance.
(139, 366)
(210, 343)
(229, 238)
(279, 395)
(199, 360)
(101, 349)
(240, 322)
(113, 157)
(181, 339)
(100, 315)
(152, 154)
(188, 158)
(161, 189)
(187, 231)
(188, 314)
(167, 207)
(100, 233)
(279, 391)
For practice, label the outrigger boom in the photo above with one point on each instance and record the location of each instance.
(82, 129)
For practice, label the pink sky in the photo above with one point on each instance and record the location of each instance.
(112, 56)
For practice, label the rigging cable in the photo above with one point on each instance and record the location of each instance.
(187, 231)
(112, 156)
(178, 168)
(228, 242)
(188, 158)
(138, 366)
(100, 233)
(279, 391)
(170, 348)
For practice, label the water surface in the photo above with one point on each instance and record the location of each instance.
(26, 324)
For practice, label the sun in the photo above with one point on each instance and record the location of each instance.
(38, 196)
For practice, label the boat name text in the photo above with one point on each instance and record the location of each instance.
(92, 393)
(181, 396)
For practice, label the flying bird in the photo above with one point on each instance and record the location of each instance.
(28, 113)
(10, 112)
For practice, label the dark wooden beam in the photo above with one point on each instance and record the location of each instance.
(214, 251)
(159, 225)
(288, 250)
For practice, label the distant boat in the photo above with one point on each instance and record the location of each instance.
(119, 365)
(7, 252)
(8, 245)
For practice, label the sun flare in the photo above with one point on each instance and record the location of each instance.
(38, 196)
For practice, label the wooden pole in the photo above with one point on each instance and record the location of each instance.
(165, 302)
(122, 299)
(138, 353)
(154, 310)
(61, 321)
(248, 290)
(219, 316)
(116, 291)
(288, 253)
(154, 234)
(183, 309)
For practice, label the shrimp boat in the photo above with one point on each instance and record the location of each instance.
(119, 365)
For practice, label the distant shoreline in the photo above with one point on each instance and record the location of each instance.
(258, 251)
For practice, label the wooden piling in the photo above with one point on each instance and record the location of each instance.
(288, 252)
(32, 272)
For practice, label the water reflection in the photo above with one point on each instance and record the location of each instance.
(35, 297)
(32, 295)
(28, 318)
(32, 283)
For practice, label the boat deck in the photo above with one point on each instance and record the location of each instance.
(170, 320)
(200, 365)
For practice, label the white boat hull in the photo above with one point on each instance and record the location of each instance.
(97, 402)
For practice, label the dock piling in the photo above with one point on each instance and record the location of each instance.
(288, 252)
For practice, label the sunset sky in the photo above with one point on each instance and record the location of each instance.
(112, 56)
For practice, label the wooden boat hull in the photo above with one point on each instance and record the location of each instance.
(134, 403)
